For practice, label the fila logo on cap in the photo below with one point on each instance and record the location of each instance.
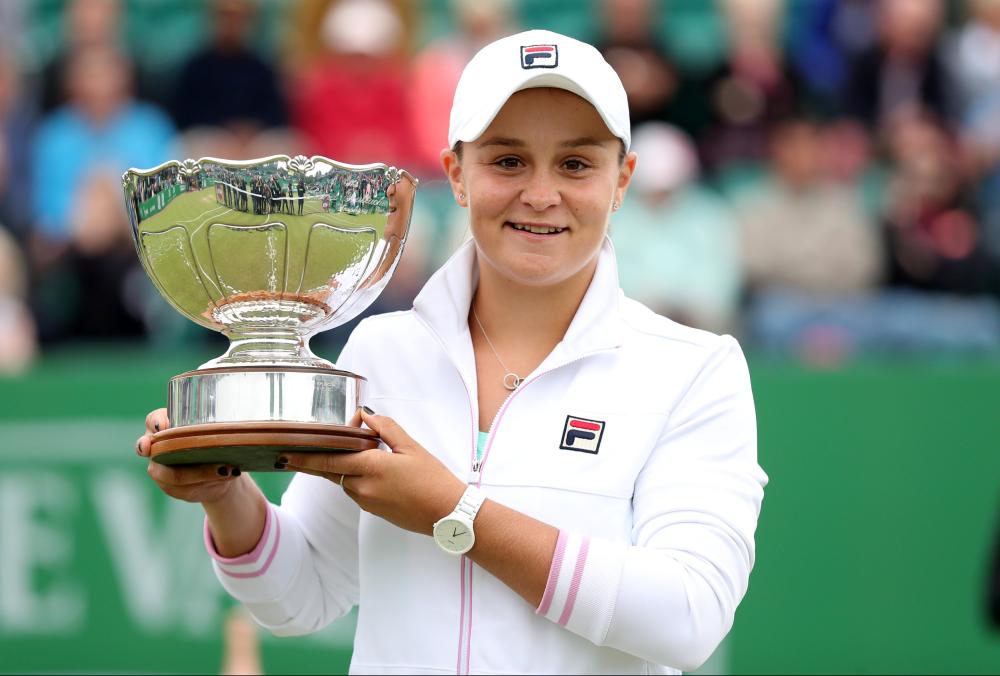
(582, 434)
(539, 56)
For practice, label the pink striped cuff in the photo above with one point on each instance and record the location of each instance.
(255, 562)
(574, 585)
(550, 585)
(569, 561)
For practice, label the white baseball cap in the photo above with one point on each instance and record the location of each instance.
(535, 58)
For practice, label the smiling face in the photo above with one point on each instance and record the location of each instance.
(540, 183)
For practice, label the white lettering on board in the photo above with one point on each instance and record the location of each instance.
(160, 562)
(38, 592)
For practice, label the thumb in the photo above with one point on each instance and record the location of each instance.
(394, 436)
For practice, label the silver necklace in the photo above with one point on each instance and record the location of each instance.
(510, 380)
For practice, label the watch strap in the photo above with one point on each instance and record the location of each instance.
(472, 499)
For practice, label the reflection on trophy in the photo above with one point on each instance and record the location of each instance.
(269, 252)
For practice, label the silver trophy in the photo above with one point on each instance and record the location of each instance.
(269, 252)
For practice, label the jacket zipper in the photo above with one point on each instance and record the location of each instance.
(465, 618)
(465, 632)
(475, 477)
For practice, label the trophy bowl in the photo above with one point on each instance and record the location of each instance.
(268, 252)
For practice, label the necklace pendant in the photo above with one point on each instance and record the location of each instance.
(511, 381)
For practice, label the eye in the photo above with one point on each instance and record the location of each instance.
(575, 165)
(508, 162)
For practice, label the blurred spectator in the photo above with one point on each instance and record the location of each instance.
(975, 53)
(17, 330)
(436, 70)
(657, 89)
(85, 24)
(16, 124)
(677, 243)
(84, 289)
(101, 129)
(810, 195)
(81, 247)
(752, 90)
(351, 103)
(803, 231)
(976, 66)
(809, 251)
(306, 42)
(226, 84)
(905, 68)
(855, 25)
(815, 51)
(849, 159)
(933, 236)
(13, 15)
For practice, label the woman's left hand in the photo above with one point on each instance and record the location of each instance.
(408, 487)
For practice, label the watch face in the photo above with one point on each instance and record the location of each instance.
(454, 536)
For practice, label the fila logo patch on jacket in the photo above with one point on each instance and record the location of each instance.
(539, 56)
(582, 434)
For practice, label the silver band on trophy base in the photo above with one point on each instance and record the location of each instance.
(268, 252)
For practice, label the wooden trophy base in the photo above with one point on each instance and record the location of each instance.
(254, 446)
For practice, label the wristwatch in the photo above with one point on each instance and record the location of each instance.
(454, 532)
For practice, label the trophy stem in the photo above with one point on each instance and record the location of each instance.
(271, 346)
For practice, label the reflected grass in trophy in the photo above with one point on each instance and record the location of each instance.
(269, 252)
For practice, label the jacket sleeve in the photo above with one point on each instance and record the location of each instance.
(670, 596)
(303, 574)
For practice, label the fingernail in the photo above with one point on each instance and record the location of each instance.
(237, 471)
(223, 471)
(279, 465)
(368, 410)
(282, 460)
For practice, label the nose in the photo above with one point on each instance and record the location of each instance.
(541, 191)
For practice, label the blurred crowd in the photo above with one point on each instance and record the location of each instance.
(819, 177)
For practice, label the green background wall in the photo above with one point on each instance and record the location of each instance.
(872, 548)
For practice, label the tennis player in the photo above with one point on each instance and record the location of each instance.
(573, 485)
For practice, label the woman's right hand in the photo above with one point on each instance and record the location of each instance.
(192, 483)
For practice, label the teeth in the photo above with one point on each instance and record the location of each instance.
(537, 229)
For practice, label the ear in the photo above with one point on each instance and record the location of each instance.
(625, 173)
(452, 166)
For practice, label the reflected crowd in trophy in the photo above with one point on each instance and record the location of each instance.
(821, 178)
(342, 191)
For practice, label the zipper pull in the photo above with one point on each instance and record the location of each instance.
(474, 474)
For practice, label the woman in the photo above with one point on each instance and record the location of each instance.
(594, 463)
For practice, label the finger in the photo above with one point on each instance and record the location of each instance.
(314, 472)
(184, 475)
(157, 420)
(352, 464)
(142, 445)
(388, 429)
(355, 420)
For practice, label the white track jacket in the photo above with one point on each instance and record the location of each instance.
(636, 437)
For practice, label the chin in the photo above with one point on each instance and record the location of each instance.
(540, 270)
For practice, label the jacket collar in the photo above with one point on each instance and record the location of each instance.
(443, 304)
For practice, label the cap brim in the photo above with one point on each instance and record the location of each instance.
(474, 129)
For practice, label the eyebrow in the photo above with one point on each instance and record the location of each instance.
(581, 141)
(518, 143)
(502, 141)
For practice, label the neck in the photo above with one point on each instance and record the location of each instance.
(516, 314)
